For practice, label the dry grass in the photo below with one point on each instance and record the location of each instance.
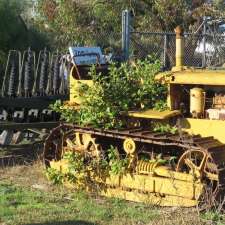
(25, 175)
(179, 216)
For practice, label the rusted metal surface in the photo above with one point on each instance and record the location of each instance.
(17, 134)
(22, 126)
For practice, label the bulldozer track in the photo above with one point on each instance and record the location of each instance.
(213, 149)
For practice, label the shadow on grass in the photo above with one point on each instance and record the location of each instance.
(75, 222)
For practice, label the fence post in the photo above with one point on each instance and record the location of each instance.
(125, 33)
(165, 51)
(204, 42)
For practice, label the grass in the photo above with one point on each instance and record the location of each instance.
(21, 205)
(28, 198)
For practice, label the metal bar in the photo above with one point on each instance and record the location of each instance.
(152, 33)
(204, 43)
(6, 73)
(162, 33)
(165, 51)
(38, 102)
(23, 126)
(144, 139)
(21, 63)
(125, 33)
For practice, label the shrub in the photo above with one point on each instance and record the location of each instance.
(127, 87)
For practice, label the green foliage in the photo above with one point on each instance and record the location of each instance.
(77, 171)
(128, 87)
(55, 175)
(213, 215)
(159, 160)
(93, 22)
(117, 166)
(144, 157)
(67, 114)
(81, 22)
(76, 167)
(79, 167)
(13, 33)
(164, 128)
(75, 162)
(16, 32)
(161, 105)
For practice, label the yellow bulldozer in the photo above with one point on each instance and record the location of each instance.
(196, 100)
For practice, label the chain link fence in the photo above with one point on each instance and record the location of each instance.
(110, 42)
(204, 48)
(199, 49)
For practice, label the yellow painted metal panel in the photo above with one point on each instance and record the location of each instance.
(112, 180)
(61, 165)
(198, 76)
(149, 198)
(153, 114)
(140, 182)
(153, 184)
(74, 89)
(164, 171)
(169, 186)
(205, 127)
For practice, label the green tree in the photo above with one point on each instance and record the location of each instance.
(166, 14)
(95, 22)
(14, 31)
(80, 22)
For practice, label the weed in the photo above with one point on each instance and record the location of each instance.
(55, 175)
(117, 166)
(79, 167)
(164, 128)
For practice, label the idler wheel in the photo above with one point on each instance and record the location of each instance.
(200, 164)
(64, 138)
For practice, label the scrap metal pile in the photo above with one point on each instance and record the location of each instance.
(31, 82)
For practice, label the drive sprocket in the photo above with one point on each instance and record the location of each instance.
(64, 138)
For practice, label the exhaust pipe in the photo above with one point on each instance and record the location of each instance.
(179, 49)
